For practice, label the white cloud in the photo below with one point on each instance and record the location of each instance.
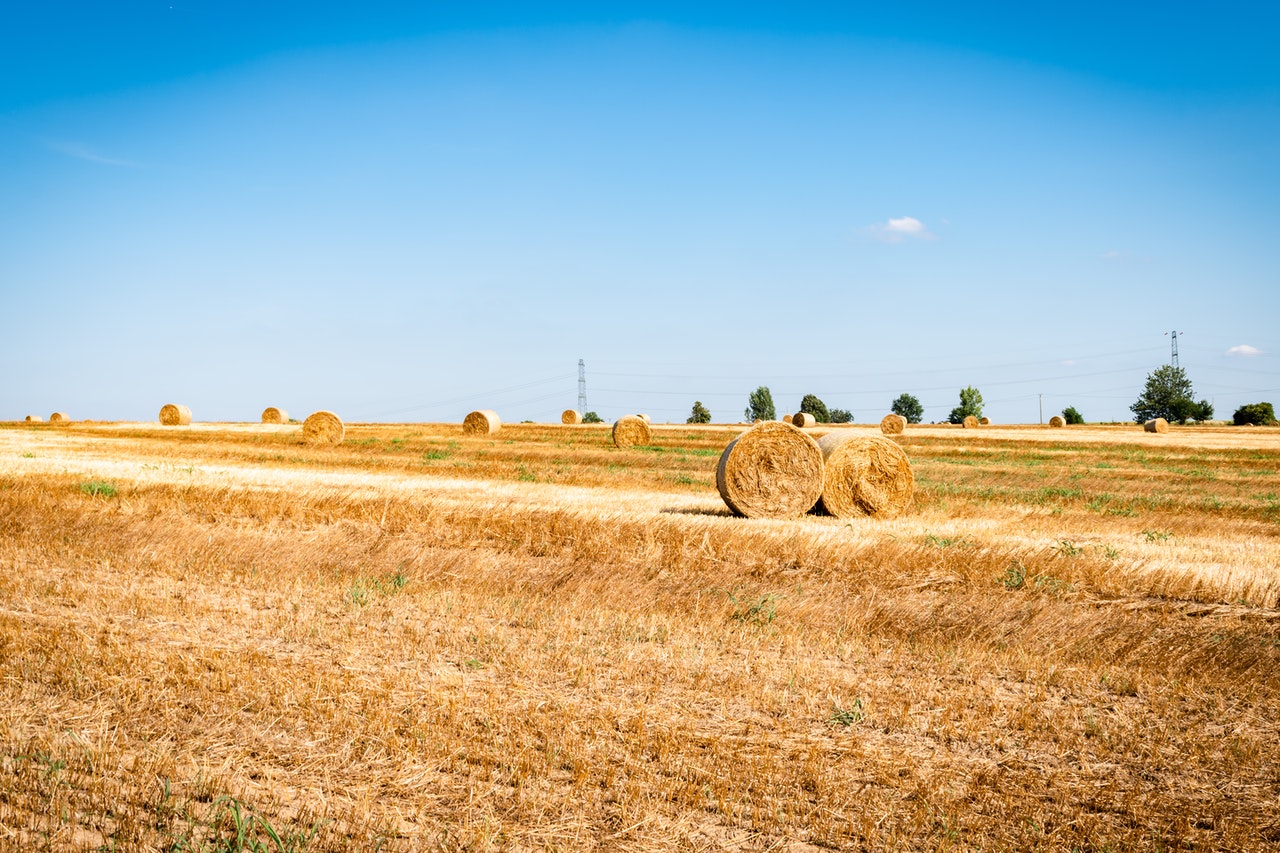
(1245, 350)
(898, 230)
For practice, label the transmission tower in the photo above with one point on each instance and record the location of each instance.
(1173, 338)
(582, 386)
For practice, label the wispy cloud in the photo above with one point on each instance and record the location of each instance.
(84, 152)
(899, 230)
(1245, 350)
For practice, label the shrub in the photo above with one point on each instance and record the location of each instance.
(1258, 414)
(1071, 416)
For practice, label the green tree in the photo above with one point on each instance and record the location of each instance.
(841, 416)
(970, 404)
(1258, 414)
(592, 418)
(1071, 416)
(699, 414)
(1168, 394)
(814, 406)
(909, 407)
(760, 406)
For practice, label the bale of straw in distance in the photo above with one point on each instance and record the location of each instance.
(1057, 421)
(34, 419)
(323, 427)
(773, 470)
(803, 420)
(644, 418)
(59, 418)
(571, 416)
(173, 414)
(865, 475)
(1156, 425)
(482, 422)
(970, 422)
(272, 415)
(631, 430)
(984, 420)
(786, 419)
(893, 424)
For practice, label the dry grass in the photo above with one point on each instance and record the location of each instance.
(416, 640)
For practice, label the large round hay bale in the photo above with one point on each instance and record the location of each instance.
(272, 415)
(173, 414)
(803, 420)
(1156, 425)
(323, 428)
(893, 424)
(1057, 421)
(773, 470)
(59, 418)
(970, 422)
(630, 430)
(865, 475)
(482, 422)
(571, 416)
(984, 420)
(34, 419)
(786, 419)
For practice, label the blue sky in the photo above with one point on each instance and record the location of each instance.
(413, 210)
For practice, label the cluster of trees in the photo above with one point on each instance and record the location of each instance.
(1168, 394)
(1258, 414)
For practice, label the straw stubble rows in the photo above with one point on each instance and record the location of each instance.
(536, 640)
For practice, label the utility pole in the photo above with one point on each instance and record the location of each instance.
(1041, 410)
(1173, 339)
(582, 387)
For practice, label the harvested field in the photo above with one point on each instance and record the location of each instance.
(421, 639)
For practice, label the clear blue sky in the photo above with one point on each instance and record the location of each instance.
(410, 211)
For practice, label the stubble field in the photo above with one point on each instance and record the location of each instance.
(218, 638)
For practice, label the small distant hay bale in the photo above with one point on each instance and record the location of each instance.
(984, 420)
(1156, 425)
(773, 470)
(644, 418)
(865, 475)
(272, 415)
(970, 422)
(34, 419)
(631, 430)
(571, 416)
(1057, 421)
(803, 420)
(786, 419)
(59, 418)
(173, 414)
(323, 427)
(893, 424)
(482, 422)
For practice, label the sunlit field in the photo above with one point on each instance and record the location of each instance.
(216, 637)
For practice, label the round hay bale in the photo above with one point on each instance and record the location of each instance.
(773, 470)
(482, 422)
(865, 475)
(644, 418)
(1156, 425)
(984, 420)
(323, 427)
(571, 416)
(172, 414)
(970, 422)
(59, 418)
(1057, 421)
(893, 424)
(803, 420)
(786, 419)
(34, 419)
(630, 430)
(272, 415)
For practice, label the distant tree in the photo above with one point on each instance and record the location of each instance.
(760, 406)
(841, 416)
(699, 414)
(909, 407)
(1168, 394)
(1071, 416)
(970, 404)
(814, 406)
(1258, 414)
(592, 418)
